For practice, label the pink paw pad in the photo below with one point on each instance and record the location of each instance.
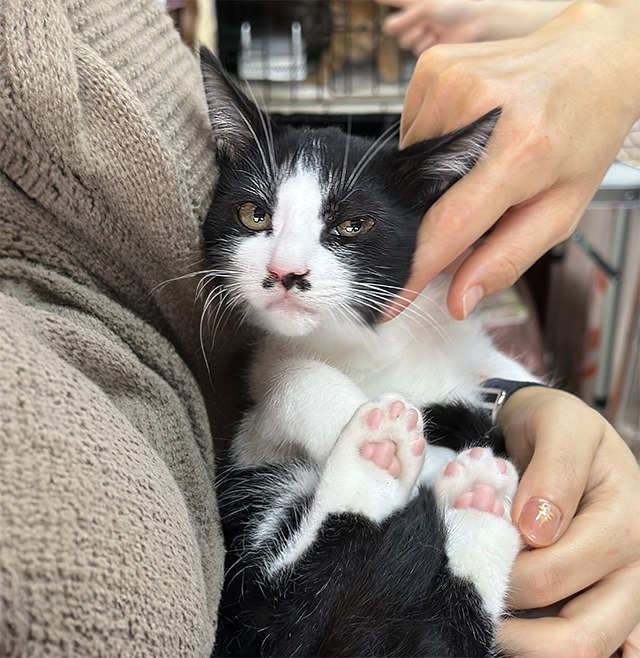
(383, 455)
(482, 497)
(394, 429)
(478, 480)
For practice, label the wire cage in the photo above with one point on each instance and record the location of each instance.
(314, 57)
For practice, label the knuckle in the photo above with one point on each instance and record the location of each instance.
(448, 73)
(539, 147)
(507, 269)
(453, 223)
(562, 232)
(545, 586)
(589, 644)
(432, 59)
(543, 146)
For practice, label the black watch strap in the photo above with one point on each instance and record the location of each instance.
(495, 392)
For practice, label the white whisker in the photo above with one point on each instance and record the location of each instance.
(175, 279)
(345, 161)
(268, 134)
(371, 153)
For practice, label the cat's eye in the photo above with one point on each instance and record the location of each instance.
(254, 217)
(353, 227)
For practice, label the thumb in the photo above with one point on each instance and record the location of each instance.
(546, 429)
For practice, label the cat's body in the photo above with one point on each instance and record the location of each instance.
(346, 535)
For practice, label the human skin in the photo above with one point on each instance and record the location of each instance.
(420, 24)
(569, 93)
(590, 550)
(184, 14)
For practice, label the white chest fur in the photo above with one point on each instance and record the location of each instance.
(305, 389)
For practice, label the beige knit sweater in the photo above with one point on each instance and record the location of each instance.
(109, 535)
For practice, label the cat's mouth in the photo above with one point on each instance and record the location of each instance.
(288, 315)
(289, 304)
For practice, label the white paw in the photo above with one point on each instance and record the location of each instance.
(475, 493)
(388, 433)
(374, 465)
(478, 480)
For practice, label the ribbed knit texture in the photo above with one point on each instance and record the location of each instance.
(109, 535)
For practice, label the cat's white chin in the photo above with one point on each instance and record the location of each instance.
(286, 323)
(289, 319)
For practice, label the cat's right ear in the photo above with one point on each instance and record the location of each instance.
(235, 120)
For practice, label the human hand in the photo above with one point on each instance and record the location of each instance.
(585, 481)
(184, 14)
(420, 24)
(569, 93)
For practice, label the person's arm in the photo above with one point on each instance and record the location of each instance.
(569, 93)
(420, 24)
(578, 502)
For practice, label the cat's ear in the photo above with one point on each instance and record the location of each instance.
(235, 120)
(442, 161)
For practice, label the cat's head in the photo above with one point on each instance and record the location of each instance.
(313, 228)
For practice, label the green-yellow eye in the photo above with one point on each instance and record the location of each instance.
(353, 227)
(254, 217)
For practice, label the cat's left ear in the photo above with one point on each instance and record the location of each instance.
(441, 162)
(235, 120)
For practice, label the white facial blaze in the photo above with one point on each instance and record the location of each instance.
(297, 223)
(293, 246)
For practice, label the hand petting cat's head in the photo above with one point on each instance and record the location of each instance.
(314, 229)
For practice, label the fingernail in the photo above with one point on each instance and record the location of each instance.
(471, 299)
(539, 522)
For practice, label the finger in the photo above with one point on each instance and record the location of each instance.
(456, 221)
(444, 95)
(421, 117)
(411, 36)
(544, 576)
(518, 240)
(399, 4)
(408, 24)
(581, 628)
(428, 41)
(631, 646)
(556, 471)
(395, 24)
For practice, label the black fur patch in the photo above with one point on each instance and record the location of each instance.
(361, 589)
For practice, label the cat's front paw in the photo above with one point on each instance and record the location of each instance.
(389, 433)
(478, 480)
(376, 461)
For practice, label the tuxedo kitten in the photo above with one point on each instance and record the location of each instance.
(350, 529)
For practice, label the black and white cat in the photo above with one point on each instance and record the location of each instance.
(346, 533)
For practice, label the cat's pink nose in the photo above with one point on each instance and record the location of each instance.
(288, 277)
(279, 271)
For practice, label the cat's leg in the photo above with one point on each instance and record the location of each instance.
(299, 409)
(475, 493)
(371, 471)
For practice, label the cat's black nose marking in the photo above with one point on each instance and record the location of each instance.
(300, 281)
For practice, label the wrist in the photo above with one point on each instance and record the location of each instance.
(496, 392)
(611, 28)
